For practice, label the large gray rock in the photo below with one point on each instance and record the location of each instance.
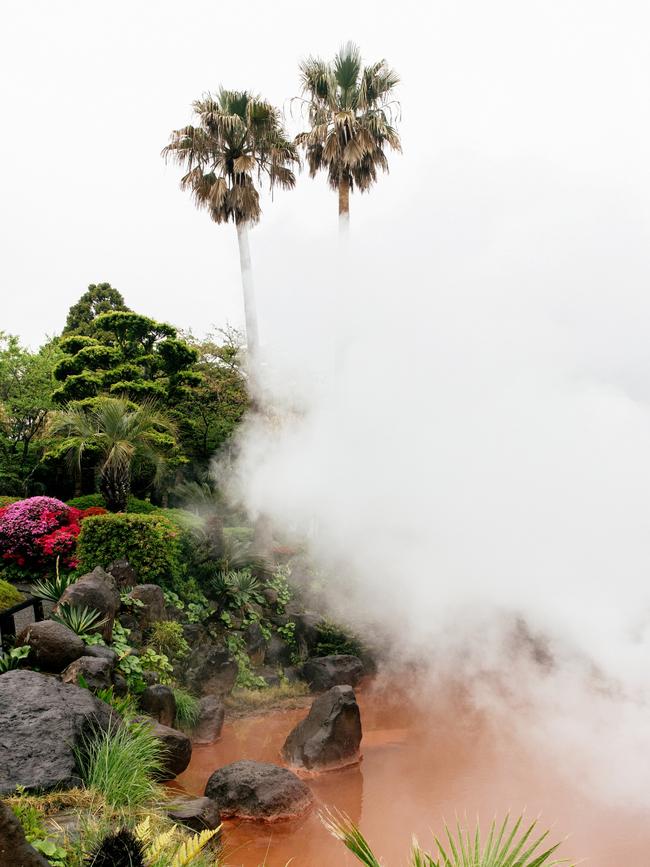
(211, 715)
(258, 790)
(152, 609)
(52, 645)
(100, 651)
(330, 735)
(42, 722)
(324, 672)
(97, 591)
(158, 701)
(95, 672)
(210, 670)
(198, 814)
(176, 748)
(123, 573)
(14, 848)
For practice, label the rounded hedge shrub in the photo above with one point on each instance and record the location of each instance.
(151, 544)
(135, 506)
(9, 596)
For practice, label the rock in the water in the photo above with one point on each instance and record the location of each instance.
(177, 750)
(198, 814)
(96, 672)
(210, 670)
(324, 672)
(158, 701)
(14, 848)
(153, 604)
(258, 790)
(330, 735)
(52, 645)
(210, 722)
(42, 721)
(97, 591)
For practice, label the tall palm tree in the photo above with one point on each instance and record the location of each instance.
(118, 433)
(350, 109)
(239, 139)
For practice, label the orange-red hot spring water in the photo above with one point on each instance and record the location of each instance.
(420, 765)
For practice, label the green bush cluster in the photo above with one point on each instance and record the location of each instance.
(167, 637)
(150, 543)
(9, 596)
(7, 501)
(134, 507)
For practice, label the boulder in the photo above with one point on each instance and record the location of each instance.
(52, 645)
(278, 652)
(95, 590)
(210, 670)
(198, 814)
(100, 651)
(177, 750)
(95, 671)
(324, 672)
(255, 643)
(306, 632)
(120, 686)
(123, 573)
(153, 604)
(158, 702)
(258, 790)
(14, 848)
(210, 722)
(42, 722)
(330, 735)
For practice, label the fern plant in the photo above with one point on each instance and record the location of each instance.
(506, 845)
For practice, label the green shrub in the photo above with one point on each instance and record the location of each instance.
(331, 639)
(188, 709)
(149, 542)
(122, 763)
(135, 506)
(167, 637)
(9, 596)
(242, 535)
(7, 501)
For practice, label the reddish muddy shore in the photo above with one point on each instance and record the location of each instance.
(417, 769)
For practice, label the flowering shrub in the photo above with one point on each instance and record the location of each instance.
(34, 532)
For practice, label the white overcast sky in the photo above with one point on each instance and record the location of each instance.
(90, 91)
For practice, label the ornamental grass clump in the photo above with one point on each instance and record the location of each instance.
(188, 709)
(507, 845)
(123, 764)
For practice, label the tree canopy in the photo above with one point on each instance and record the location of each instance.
(97, 299)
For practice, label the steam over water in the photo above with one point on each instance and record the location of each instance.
(462, 433)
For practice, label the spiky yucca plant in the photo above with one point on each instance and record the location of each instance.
(79, 620)
(506, 846)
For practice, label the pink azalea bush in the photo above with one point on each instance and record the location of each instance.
(34, 532)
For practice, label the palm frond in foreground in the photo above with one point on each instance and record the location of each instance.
(506, 845)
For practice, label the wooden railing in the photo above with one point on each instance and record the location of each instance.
(8, 623)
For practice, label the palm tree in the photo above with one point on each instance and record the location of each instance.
(119, 433)
(239, 139)
(349, 109)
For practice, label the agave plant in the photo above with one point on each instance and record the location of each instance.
(237, 588)
(53, 588)
(79, 620)
(507, 845)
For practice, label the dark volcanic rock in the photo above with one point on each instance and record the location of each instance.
(258, 790)
(324, 672)
(52, 645)
(158, 701)
(42, 721)
(153, 604)
(210, 670)
(177, 750)
(195, 813)
(100, 651)
(210, 722)
(14, 848)
(95, 671)
(97, 591)
(330, 735)
(278, 652)
(123, 573)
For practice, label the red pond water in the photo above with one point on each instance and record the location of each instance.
(418, 768)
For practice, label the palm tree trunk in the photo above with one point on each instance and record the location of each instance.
(344, 206)
(250, 311)
(115, 486)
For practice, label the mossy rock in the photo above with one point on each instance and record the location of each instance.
(9, 596)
